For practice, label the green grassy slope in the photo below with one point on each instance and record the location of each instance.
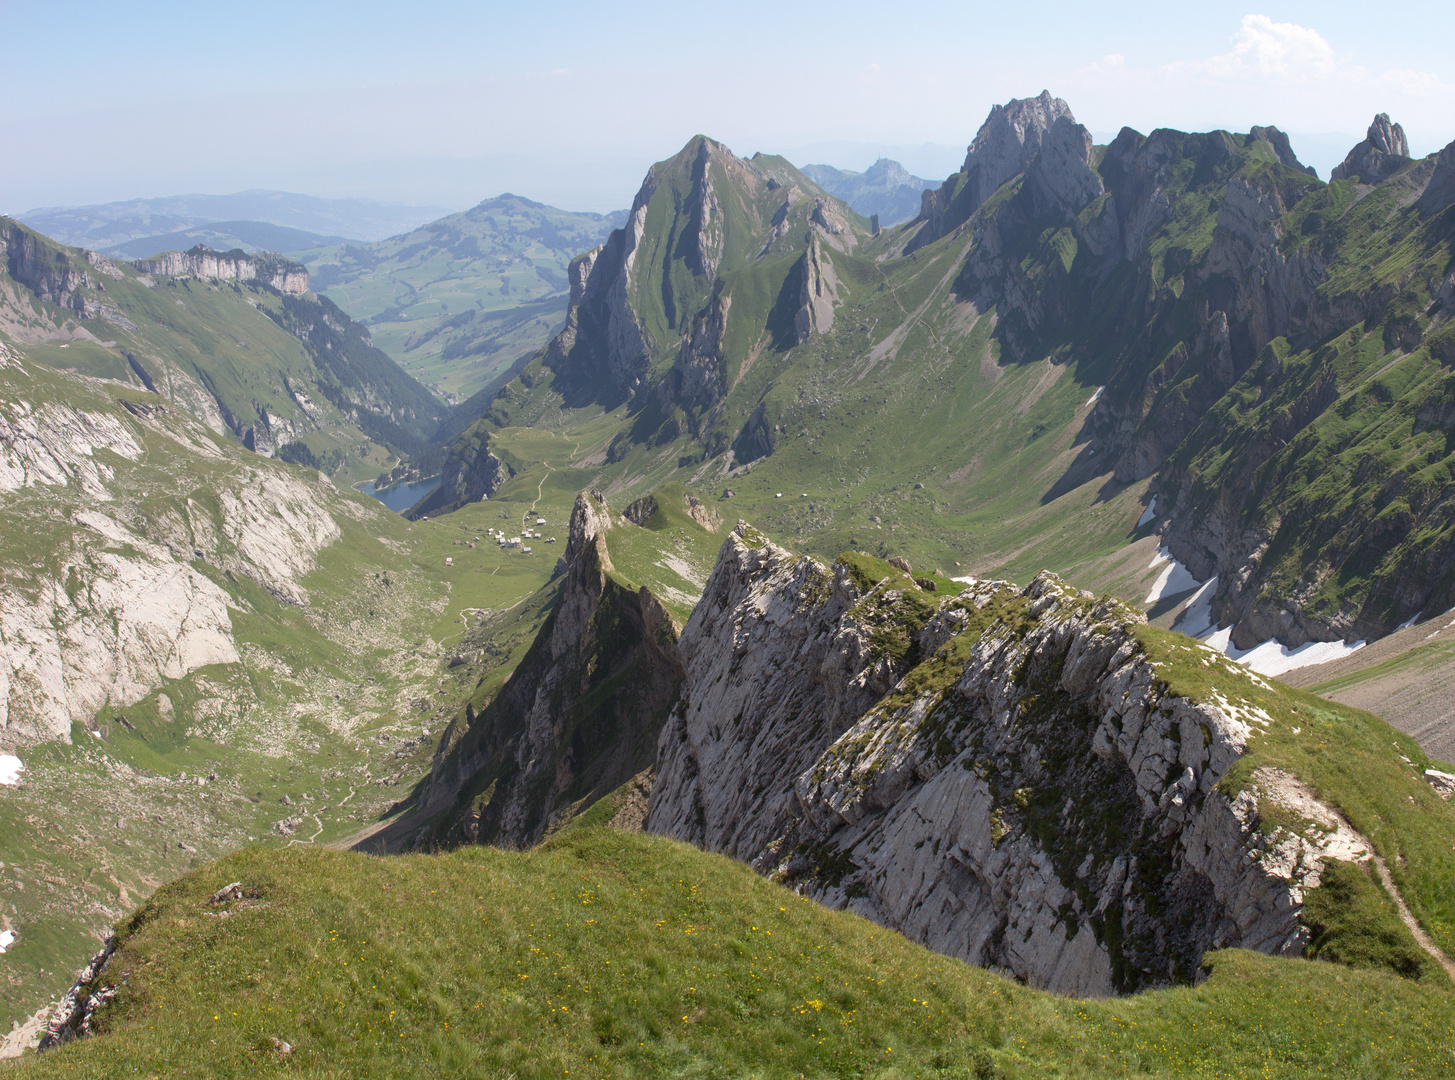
(457, 301)
(610, 954)
(336, 702)
(240, 356)
(1338, 450)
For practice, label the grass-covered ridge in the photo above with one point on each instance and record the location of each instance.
(612, 954)
(1370, 772)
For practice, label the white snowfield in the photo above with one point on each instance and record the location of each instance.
(10, 770)
(1173, 580)
(1149, 513)
(1270, 657)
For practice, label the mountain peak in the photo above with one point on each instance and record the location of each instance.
(1387, 136)
(1383, 151)
(1013, 132)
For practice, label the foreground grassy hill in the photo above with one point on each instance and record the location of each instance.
(611, 954)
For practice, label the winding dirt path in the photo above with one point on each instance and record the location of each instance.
(531, 513)
(1407, 917)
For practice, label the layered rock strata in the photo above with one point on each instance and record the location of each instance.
(1003, 776)
(202, 262)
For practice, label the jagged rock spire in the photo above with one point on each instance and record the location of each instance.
(1383, 151)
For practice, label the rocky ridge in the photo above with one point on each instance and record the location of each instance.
(276, 271)
(577, 718)
(1384, 151)
(1004, 776)
(628, 316)
(1193, 283)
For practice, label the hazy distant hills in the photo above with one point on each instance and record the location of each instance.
(457, 301)
(885, 188)
(249, 236)
(108, 225)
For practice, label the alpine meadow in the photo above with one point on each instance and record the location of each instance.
(812, 621)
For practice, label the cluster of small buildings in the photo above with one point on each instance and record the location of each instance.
(512, 542)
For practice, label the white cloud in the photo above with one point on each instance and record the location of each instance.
(1282, 73)
(1266, 49)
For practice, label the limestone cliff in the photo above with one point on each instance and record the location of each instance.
(113, 596)
(282, 274)
(1005, 775)
(578, 717)
(1008, 140)
(1383, 152)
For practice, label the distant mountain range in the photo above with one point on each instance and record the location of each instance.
(108, 226)
(249, 236)
(885, 189)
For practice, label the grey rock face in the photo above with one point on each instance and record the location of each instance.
(537, 750)
(1007, 142)
(698, 381)
(1034, 799)
(1010, 137)
(202, 262)
(470, 473)
(1440, 191)
(1383, 152)
(817, 294)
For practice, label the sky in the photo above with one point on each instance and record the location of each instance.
(448, 103)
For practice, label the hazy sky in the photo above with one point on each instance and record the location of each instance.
(451, 102)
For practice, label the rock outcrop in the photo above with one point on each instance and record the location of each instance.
(1004, 776)
(471, 472)
(578, 718)
(817, 293)
(1006, 143)
(1384, 151)
(54, 274)
(1440, 192)
(282, 274)
(113, 600)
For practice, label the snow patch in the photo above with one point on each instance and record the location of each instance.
(1196, 619)
(1443, 628)
(1092, 400)
(7, 939)
(1407, 623)
(1149, 513)
(1175, 579)
(10, 770)
(1274, 658)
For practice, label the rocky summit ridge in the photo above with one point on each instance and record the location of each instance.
(1028, 778)
(1030, 796)
(1242, 334)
